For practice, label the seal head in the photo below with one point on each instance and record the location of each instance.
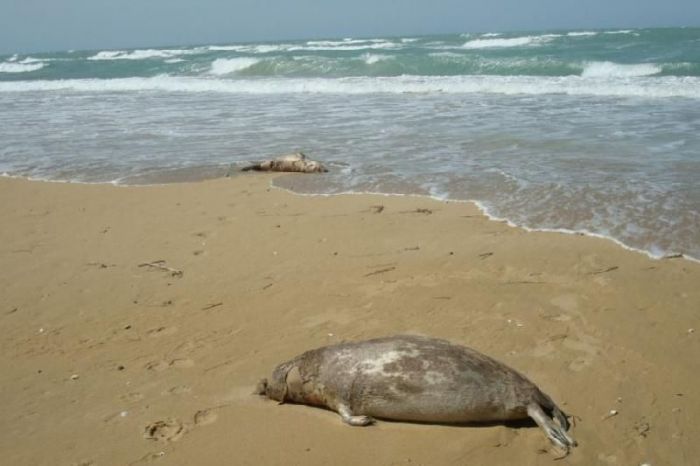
(276, 387)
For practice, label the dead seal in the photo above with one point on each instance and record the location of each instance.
(412, 378)
(289, 163)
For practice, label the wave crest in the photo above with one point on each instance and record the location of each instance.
(509, 42)
(661, 87)
(11, 67)
(224, 66)
(140, 54)
(607, 69)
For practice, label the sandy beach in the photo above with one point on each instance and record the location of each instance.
(129, 307)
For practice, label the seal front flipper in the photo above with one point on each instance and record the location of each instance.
(555, 433)
(349, 419)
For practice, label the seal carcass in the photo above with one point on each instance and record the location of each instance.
(412, 378)
(289, 163)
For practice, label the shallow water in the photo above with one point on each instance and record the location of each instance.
(594, 131)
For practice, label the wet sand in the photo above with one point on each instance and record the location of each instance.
(154, 310)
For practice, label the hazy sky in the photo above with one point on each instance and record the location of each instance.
(44, 25)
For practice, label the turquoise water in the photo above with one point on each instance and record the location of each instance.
(595, 131)
(622, 53)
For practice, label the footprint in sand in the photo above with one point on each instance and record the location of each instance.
(168, 430)
(179, 390)
(161, 331)
(179, 363)
(182, 363)
(157, 366)
(132, 397)
(171, 429)
(205, 417)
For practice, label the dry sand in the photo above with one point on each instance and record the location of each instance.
(95, 347)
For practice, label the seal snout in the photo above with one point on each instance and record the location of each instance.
(261, 387)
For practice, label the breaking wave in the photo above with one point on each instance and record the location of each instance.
(608, 69)
(12, 67)
(668, 86)
(509, 42)
(140, 54)
(224, 66)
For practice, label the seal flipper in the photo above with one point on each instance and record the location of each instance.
(552, 409)
(349, 419)
(555, 433)
(559, 415)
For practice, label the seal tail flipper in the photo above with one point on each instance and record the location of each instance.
(561, 417)
(255, 167)
(553, 410)
(555, 433)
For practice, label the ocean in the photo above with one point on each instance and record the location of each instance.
(593, 131)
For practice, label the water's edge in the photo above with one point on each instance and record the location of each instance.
(231, 171)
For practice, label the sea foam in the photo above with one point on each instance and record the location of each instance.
(223, 66)
(661, 87)
(509, 42)
(371, 58)
(12, 67)
(381, 44)
(582, 33)
(606, 69)
(140, 54)
(342, 43)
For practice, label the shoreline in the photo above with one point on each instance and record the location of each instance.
(494, 218)
(197, 175)
(97, 346)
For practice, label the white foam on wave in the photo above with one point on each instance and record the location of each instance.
(313, 46)
(140, 54)
(371, 58)
(659, 87)
(491, 34)
(622, 31)
(607, 69)
(19, 67)
(582, 34)
(224, 66)
(510, 42)
(29, 60)
(374, 44)
(251, 48)
(269, 48)
(226, 48)
(344, 42)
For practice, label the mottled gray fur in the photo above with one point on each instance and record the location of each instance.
(289, 163)
(412, 378)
